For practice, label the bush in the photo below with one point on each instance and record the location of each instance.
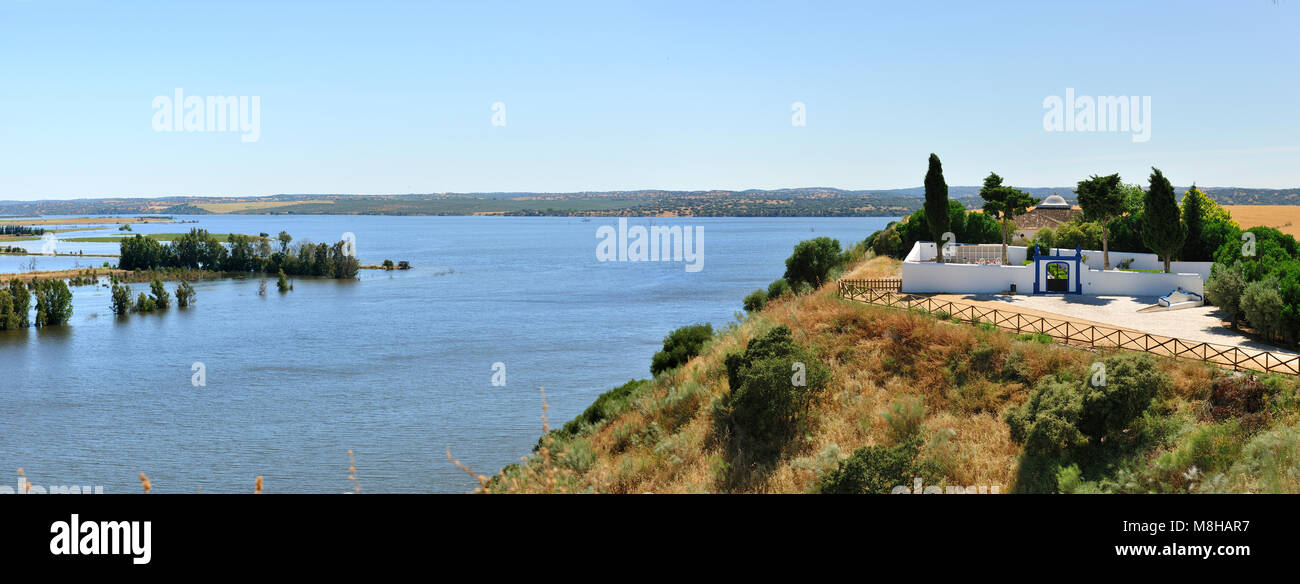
(1273, 460)
(122, 299)
(608, 405)
(1262, 306)
(161, 298)
(143, 303)
(1048, 422)
(680, 346)
(1061, 415)
(1224, 289)
(886, 242)
(755, 300)
(812, 261)
(904, 418)
(873, 470)
(1211, 449)
(185, 295)
(778, 288)
(766, 407)
(1240, 397)
(1132, 381)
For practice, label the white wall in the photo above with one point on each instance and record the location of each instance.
(966, 278)
(1117, 283)
(921, 276)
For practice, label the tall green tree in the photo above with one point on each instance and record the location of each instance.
(1005, 203)
(936, 204)
(1209, 226)
(21, 302)
(121, 299)
(1163, 230)
(1102, 200)
(53, 303)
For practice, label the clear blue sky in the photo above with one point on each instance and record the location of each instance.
(396, 97)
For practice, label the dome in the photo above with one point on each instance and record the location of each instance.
(1054, 202)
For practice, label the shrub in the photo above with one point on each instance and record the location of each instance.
(1210, 449)
(755, 300)
(1224, 289)
(185, 295)
(1043, 338)
(904, 418)
(1240, 397)
(873, 470)
(122, 299)
(1262, 305)
(143, 303)
(766, 407)
(1273, 459)
(608, 405)
(1132, 381)
(886, 242)
(1048, 422)
(161, 298)
(1060, 415)
(282, 284)
(680, 346)
(778, 288)
(812, 261)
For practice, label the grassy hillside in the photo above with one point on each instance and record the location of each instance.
(908, 395)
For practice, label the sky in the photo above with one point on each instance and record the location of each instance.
(399, 97)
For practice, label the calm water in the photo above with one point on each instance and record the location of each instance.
(396, 366)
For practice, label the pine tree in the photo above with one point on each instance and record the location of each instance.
(1102, 200)
(1004, 203)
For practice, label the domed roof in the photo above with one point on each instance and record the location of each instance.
(1054, 202)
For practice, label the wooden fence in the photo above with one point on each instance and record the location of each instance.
(894, 284)
(1074, 333)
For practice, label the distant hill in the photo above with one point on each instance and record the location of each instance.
(793, 202)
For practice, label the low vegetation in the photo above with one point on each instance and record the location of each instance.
(892, 397)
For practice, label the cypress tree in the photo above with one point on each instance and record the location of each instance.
(936, 204)
(1163, 230)
(1194, 217)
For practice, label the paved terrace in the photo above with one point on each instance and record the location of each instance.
(1202, 324)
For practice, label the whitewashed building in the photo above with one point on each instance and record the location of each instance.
(977, 269)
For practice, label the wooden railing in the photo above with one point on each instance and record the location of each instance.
(894, 284)
(1074, 333)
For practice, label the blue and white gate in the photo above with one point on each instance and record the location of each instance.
(1059, 272)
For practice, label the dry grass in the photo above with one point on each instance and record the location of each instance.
(63, 274)
(967, 378)
(876, 267)
(256, 206)
(83, 220)
(1284, 218)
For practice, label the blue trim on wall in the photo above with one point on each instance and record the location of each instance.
(1039, 287)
